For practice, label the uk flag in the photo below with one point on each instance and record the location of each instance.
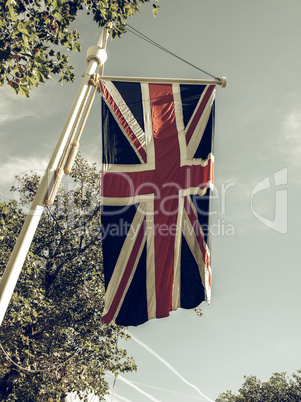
(156, 184)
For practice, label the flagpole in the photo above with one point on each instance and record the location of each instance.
(96, 57)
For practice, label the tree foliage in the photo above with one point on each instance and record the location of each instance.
(34, 32)
(52, 339)
(279, 388)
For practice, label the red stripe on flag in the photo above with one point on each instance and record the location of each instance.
(193, 219)
(199, 113)
(107, 318)
(167, 157)
(197, 175)
(123, 122)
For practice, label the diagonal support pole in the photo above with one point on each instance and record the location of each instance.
(96, 57)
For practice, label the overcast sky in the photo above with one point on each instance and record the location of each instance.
(253, 323)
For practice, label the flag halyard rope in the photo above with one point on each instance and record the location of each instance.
(94, 81)
(140, 35)
(70, 151)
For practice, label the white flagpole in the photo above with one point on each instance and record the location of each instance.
(96, 57)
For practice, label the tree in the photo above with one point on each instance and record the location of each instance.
(32, 33)
(52, 339)
(279, 388)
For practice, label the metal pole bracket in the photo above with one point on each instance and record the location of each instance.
(98, 54)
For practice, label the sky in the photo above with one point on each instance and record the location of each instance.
(252, 325)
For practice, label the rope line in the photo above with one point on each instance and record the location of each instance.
(74, 128)
(140, 35)
(94, 82)
(69, 152)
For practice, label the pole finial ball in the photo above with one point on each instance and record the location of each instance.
(223, 82)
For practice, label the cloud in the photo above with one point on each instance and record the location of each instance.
(17, 166)
(42, 102)
(290, 142)
(14, 107)
(279, 148)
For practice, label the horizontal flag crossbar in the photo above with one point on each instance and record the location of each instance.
(222, 81)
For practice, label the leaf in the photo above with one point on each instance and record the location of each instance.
(24, 91)
(12, 13)
(155, 9)
(35, 24)
(25, 40)
(76, 47)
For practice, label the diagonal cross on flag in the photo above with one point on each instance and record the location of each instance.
(162, 188)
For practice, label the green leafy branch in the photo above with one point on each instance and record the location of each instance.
(32, 33)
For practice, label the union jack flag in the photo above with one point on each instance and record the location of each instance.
(156, 184)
